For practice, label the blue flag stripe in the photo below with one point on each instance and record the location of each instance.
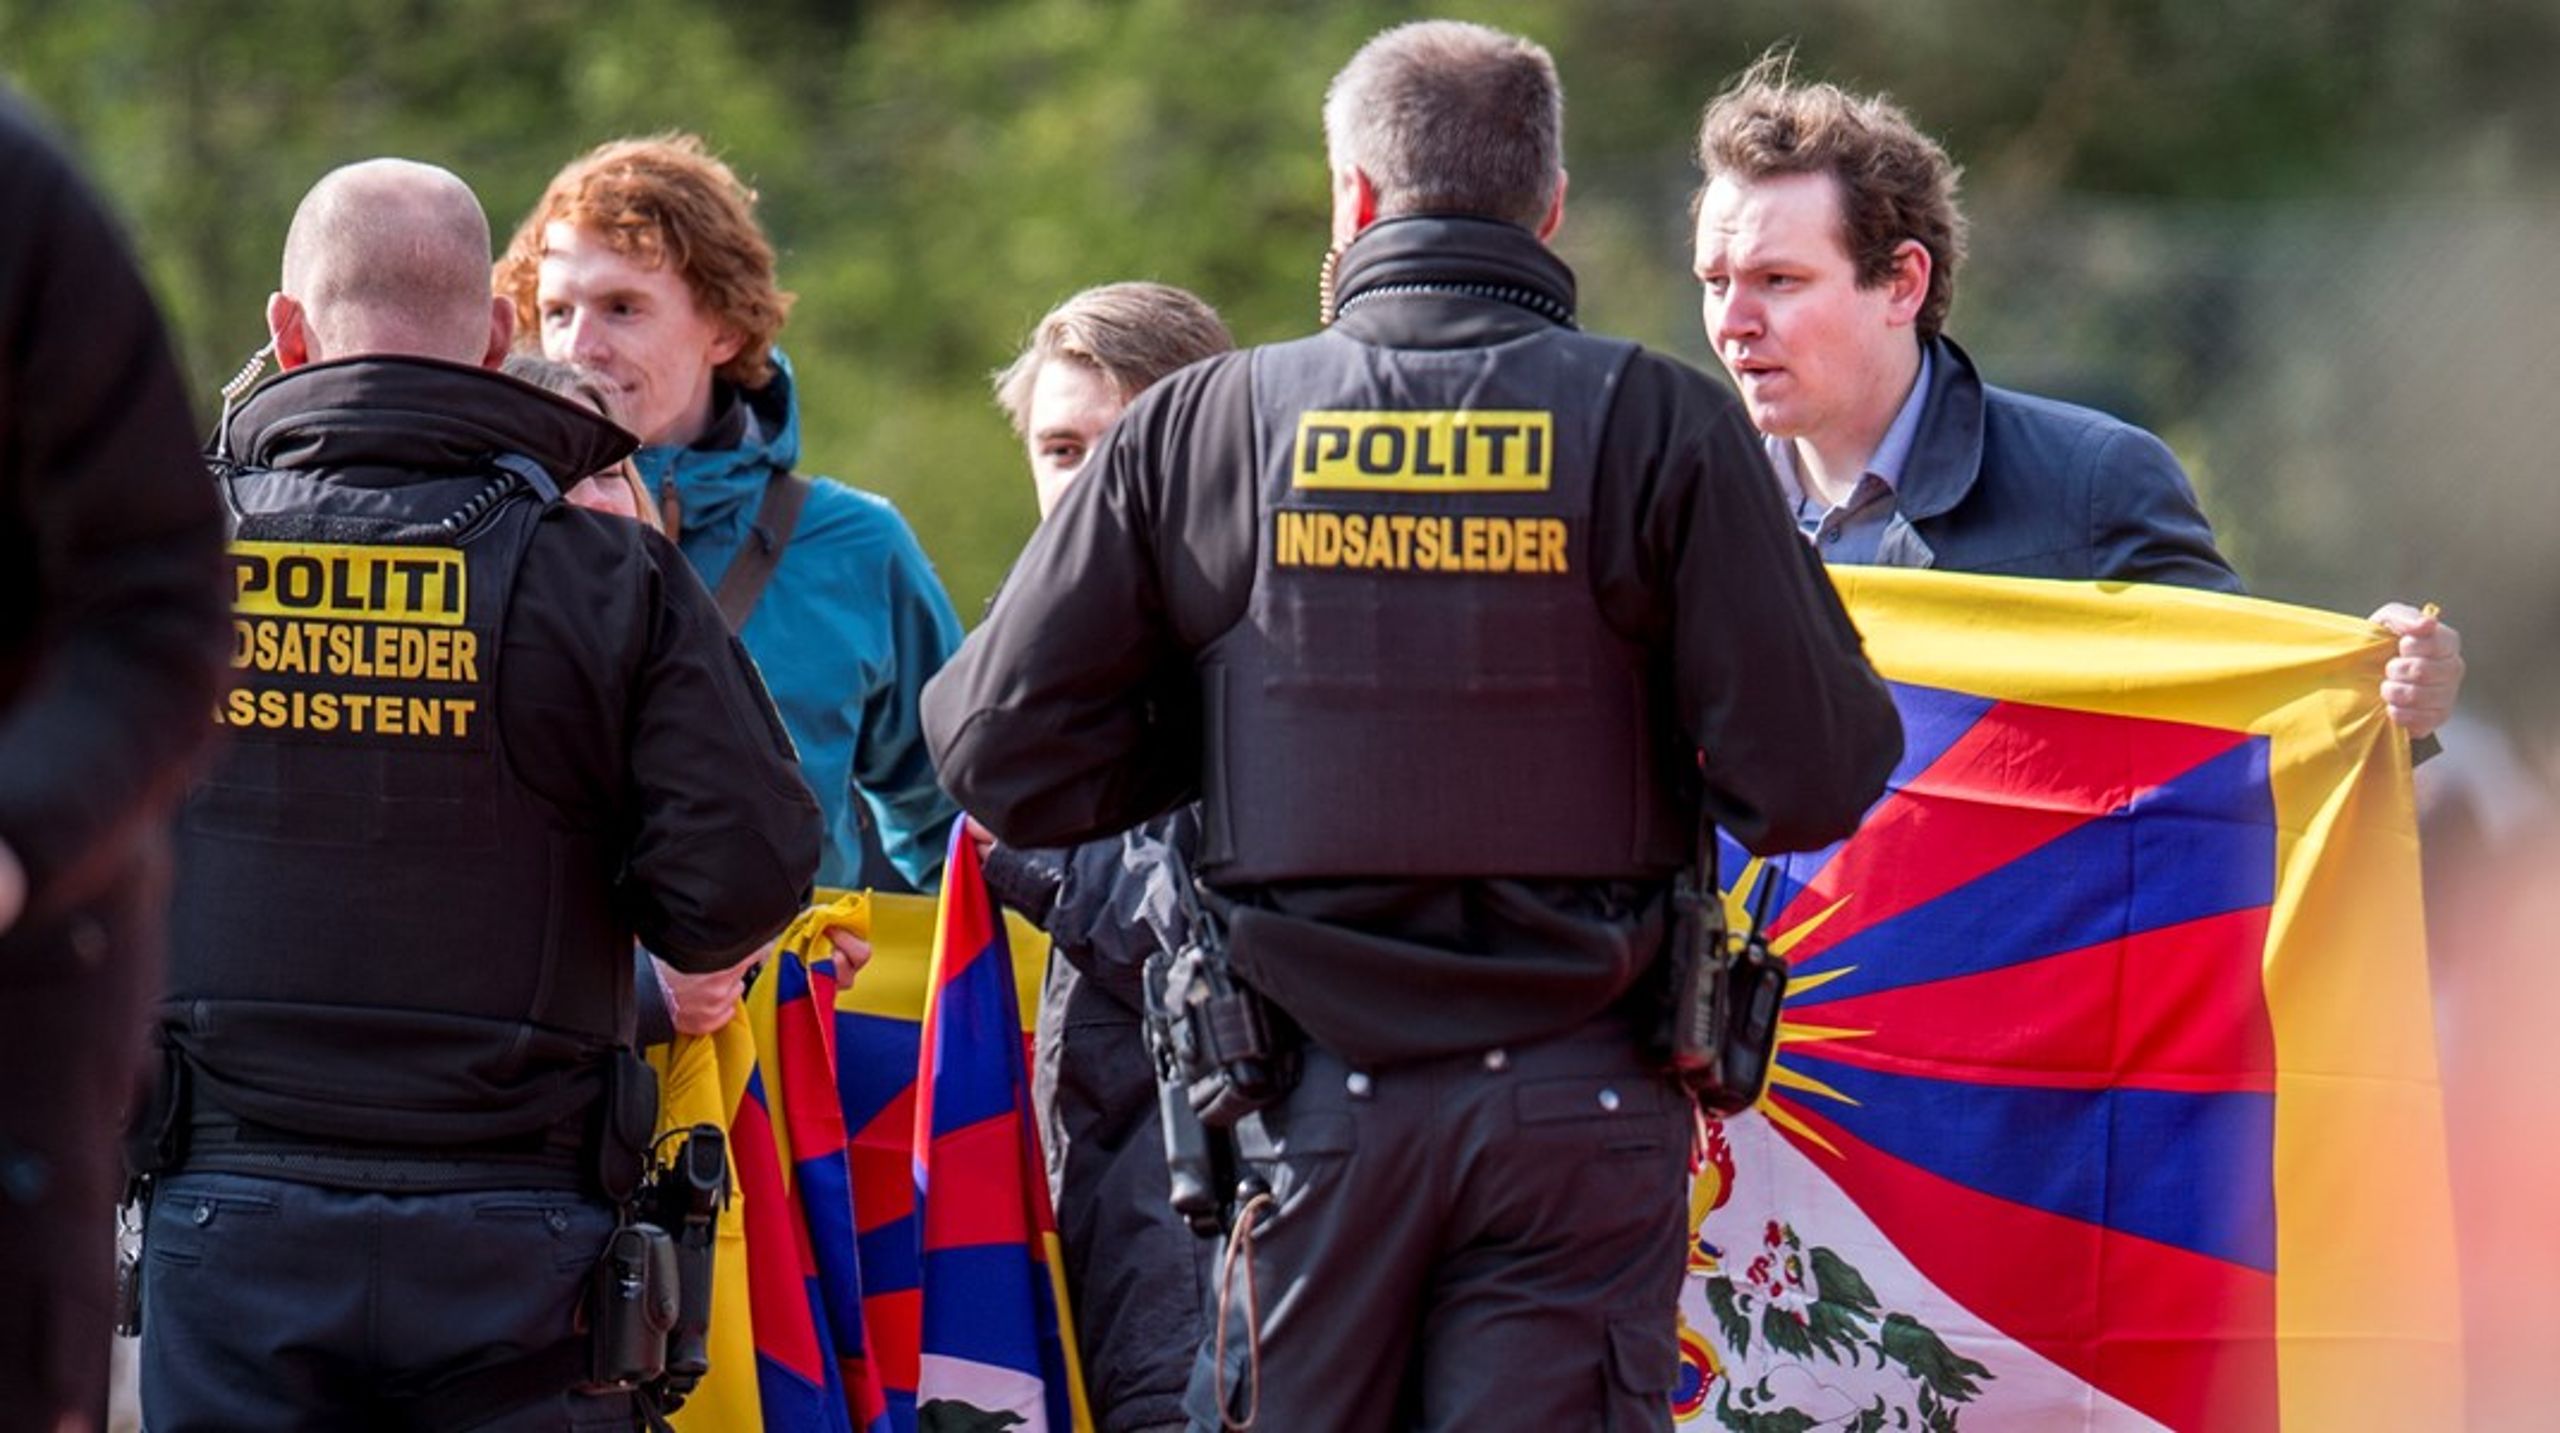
(2201, 845)
(981, 1050)
(980, 1305)
(887, 1069)
(2191, 1170)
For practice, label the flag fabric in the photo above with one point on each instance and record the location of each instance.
(879, 1045)
(797, 1025)
(702, 1079)
(788, 1340)
(2106, 1095)
(996, 1351)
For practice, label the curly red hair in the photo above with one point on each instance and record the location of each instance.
(663, 199)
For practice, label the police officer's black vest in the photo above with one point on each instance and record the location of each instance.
(379, 936)
(1422, 684)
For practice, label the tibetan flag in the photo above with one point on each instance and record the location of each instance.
(2106, 1097)
(795, 1032)
(996, 1352)
(787, 1337)
(879, 1043)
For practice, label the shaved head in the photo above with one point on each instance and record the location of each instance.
(389, 256)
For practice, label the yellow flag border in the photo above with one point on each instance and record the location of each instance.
(2368, 1314)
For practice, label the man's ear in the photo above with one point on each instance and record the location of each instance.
(1555, 211)
(727, 346)
(1355, 203)
(1907, 287)
(502, 330)
(290, 328)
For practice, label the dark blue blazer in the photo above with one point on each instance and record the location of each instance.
(2014, 485)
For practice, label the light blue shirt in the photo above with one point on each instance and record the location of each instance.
(1852, 531)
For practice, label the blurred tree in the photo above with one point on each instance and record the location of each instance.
(938, 174)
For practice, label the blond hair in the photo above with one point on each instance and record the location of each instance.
(1130, 333)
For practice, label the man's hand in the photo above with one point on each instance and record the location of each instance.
(702, 1004)
(852, 953)
(2420, 684)
(979, 836)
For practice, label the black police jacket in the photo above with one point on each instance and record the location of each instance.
(1079, 707)
(479, 741)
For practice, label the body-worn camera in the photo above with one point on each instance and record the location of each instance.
(1725, 993)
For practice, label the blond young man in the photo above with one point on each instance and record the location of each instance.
(1138, 1274)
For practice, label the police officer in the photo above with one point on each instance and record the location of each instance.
(1456, 619)
(479, 741)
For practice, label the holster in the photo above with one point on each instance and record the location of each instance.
(155, 1132)
(1191, 1149)
(1720, 995)
(632, 1302)
(626, 1120)
(683, 1196)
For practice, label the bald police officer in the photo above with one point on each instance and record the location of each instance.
(480, 740)
(1457, 620)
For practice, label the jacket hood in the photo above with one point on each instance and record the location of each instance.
(400, 417)
(720, 486)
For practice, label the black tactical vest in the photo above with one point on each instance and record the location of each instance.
(1422, 684)
(379, 936)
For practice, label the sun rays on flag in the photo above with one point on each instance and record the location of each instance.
(1791, 1032)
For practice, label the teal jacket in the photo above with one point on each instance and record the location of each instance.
(849, 627)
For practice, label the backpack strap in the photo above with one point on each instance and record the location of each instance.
(748, 572)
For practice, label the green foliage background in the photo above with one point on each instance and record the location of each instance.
(2174, 202)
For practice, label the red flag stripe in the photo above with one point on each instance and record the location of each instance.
(1997, 793)
(2176, 1008)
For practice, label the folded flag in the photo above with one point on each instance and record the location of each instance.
(879, 1041)
(996, 1349)
(788, 1350)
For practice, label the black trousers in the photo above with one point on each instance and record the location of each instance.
(269, 1304)
(1137, 1270)
(1480, 1242)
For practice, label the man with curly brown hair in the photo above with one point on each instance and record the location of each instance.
(1829, 236)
